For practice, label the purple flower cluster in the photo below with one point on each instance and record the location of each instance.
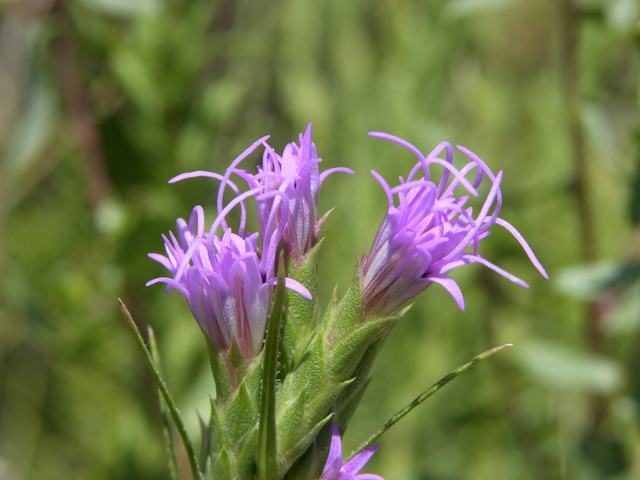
(227, 279)
(430, 229)
(432, 226)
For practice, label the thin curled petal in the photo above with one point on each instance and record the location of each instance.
(525, 246)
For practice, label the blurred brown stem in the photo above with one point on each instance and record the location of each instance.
(570, 48)
(73, 91)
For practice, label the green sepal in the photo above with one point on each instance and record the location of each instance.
(220, 371)
(346, 404)
(246, 457)
(322, 403)
(300, 319)
(301, 416)
(238, 363)
(291, 416)
(233, 439)
(309, 375)
(220, 466)
(240, 416)
(300, 310)
(229, 369)
(310, 464)
(302, 445)
(348, 351)
(341, 318)
(216, 430)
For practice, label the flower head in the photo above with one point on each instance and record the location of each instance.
(337, 469)
(430, 229)
(290, 182)
(226, 281)
(296, 176)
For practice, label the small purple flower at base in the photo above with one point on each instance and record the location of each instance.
(431, 230)
(225, 281)
(337, 469)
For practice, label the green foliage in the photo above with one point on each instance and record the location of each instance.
(174, 85)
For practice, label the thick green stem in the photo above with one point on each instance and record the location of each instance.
(267, 450)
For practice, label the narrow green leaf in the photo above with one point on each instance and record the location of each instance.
(164, 390)
(426, 394)
(164, 411)
(267, 451)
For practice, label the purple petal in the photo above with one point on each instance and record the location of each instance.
(335, 450)
(480, 259)
(358, 462)
(450, 286)
(525, 246)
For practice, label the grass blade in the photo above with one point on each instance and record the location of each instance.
(427, 393)
(164, 390)
(164, 411)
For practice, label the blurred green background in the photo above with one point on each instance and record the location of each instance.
(102, 101)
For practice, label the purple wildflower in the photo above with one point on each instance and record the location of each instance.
(336, 469)
(297, 176)
(431, 231)
(225, 280)
(294, 176)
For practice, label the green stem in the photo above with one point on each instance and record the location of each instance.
(164, 390)
(267, 450)
(426, 394)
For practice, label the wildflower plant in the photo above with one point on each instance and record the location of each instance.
(288, 374)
